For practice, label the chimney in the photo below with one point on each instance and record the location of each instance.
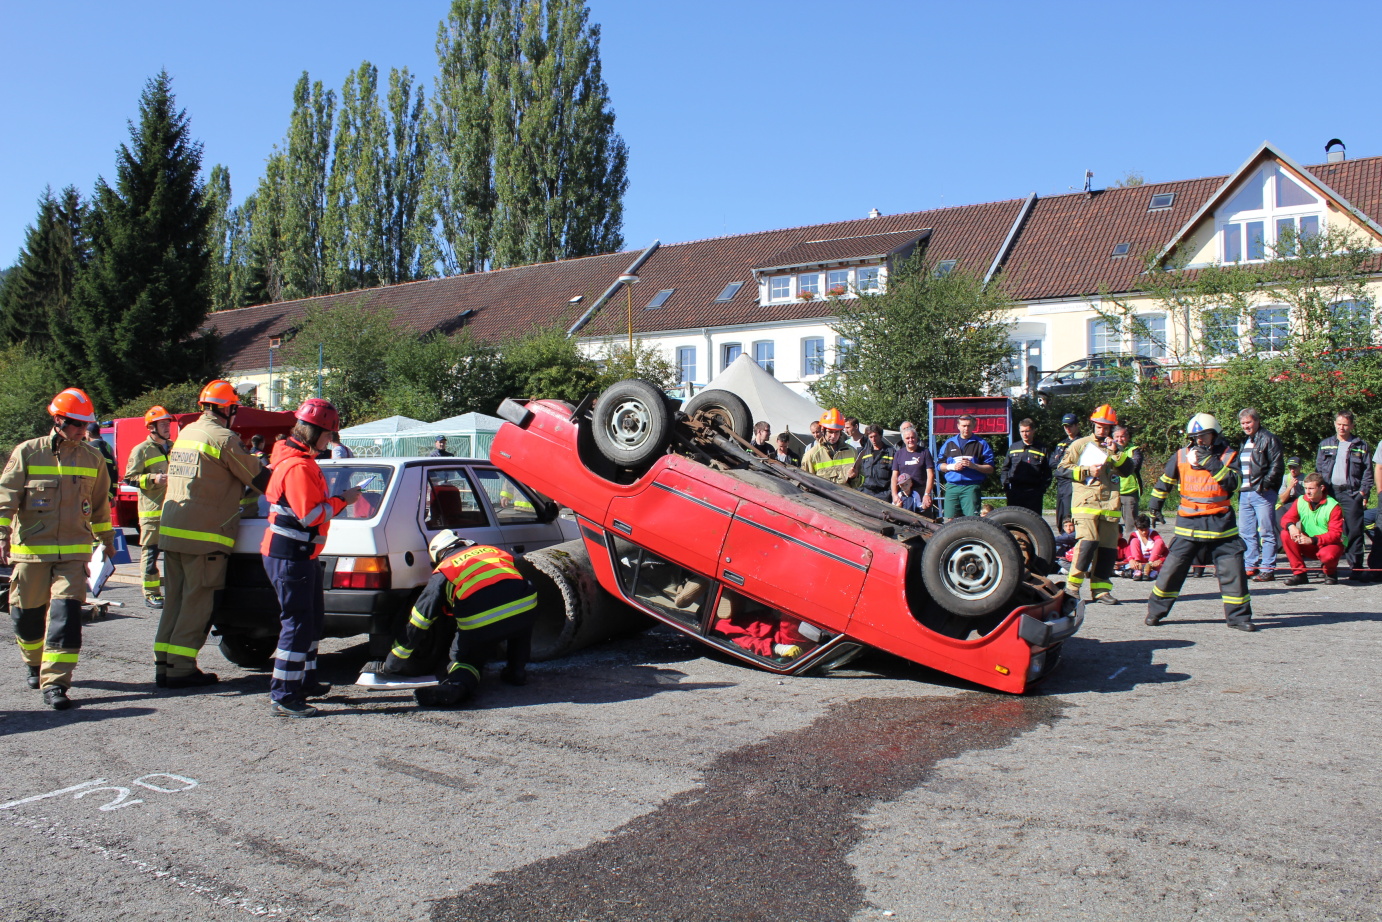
(1334, 151)
(1088, 182)
(874, 213)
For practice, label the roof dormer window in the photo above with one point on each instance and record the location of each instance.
(1268, 213)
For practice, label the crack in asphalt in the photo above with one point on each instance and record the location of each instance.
(767, 835)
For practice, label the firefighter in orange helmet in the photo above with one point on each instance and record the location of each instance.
(147, 471)
(55, 500)
(831, 458)
(1095, 464)
(208, 471)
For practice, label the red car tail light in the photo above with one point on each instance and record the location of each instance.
(361, 573)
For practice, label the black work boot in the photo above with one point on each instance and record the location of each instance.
(33, 676)
(195, 680)
(55, 696)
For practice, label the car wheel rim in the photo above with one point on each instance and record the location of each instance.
(630, 424)
(972, 570)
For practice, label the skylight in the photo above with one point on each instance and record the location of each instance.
(944, 267)
(660, 298)
(576, 300)
(1121, 249)
(1161, 201)
(730, 291)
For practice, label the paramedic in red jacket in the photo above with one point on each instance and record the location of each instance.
(300, 513)
(1313, 526)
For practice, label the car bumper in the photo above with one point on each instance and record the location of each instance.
(1045, 636)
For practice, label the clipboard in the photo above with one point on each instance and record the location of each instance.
(98, 570)
(1093, 456)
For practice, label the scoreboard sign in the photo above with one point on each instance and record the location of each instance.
(992, 415)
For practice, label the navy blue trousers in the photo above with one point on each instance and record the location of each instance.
(299, 587)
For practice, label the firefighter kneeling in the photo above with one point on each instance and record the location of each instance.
(1207, 474)
(480, 587)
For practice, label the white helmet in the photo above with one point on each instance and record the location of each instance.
(1202, 422)
(445, 540)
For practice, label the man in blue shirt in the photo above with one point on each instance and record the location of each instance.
(966, 461)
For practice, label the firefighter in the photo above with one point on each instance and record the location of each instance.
(1064, 485)
(831, 457)
(1207, 473)
(300, 513)
(208, 470)
(491, 601)
(1096, 507)
(147, 471)
(55, 498)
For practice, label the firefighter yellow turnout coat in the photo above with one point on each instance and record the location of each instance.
(833, 464)
(208, 470)
(55, 500)
(147, 459)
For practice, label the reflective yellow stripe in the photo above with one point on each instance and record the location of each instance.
(151, 514)
(38, 549)
(1205, 535)
(833, 462)
(49, 656)
(1105, 513)
(1075, 582)
(1223, 472)
(5, 522)
(1157, 591)
(50, 469)
(1158, 494)
(1235, 599)
(157, 459)
(152, 583)
(100, 526)
(203, 447)
(36, 645)
(169, 532)
(401, 651)
(497, 614)
(1095, 585)
(250, 501)
(466, 666)
(419, 620)
(483, 569)
(180, 651)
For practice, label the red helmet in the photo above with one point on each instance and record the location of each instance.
(156, 415)
(73, 404)
(220, 393)
(319, 413)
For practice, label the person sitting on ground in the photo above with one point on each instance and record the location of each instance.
(1314, 527)
(785, 453)
(985, 509)
(1067, 538)
(1146, 550)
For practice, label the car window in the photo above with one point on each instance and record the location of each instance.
(451, 503)
(512, 504)
(372, 480)
(766, 633)
(671, 590)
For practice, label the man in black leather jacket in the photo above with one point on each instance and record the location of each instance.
(1261, 465)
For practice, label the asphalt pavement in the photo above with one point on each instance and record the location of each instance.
(1183, 771)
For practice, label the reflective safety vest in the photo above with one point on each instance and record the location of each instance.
(1315, 521)
(1200, 491)
(55, 500)
(475, 568)
(833, 464)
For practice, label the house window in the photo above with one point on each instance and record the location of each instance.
(1121, 249)
(810, 283)
(1221, 334)
(813, 355)
(867, 278)
(837, 282)
(1103, 337)
(1351, 322)
(278, 393)
(780, 288)
(1149, 336)
(763, 355)
(1161, 201)
(1267, 216)
(729, 292)
(842, 348)
(686, 361)
(728, 353)
(660, 298)
(1271, 328)
(944, 268)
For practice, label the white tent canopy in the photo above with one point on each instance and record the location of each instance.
(467, 436)
(386, 426)
(768, 398)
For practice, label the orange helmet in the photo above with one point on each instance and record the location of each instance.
(833, 419)
(156, 415)
(1105, 415)
(219, 392)
(73, 404)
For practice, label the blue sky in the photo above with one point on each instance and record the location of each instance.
(743, 116)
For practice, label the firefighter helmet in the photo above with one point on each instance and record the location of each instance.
(833, 419)
(1105, 415)
(1202, 422)
(319, 413)
(156, 415)
(73, 404)
(220, 393)
(445, 540)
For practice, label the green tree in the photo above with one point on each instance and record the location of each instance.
(175, 398)
(435, 376)
(352, 341)
(38, 290)
(529, 167)
(926, 336)
(137, 308)
(27, 385)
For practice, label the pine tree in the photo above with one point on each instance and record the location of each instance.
(38, 291)
(138, 307)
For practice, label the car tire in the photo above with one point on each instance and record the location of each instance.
(631, 424)
(249, 652)
(725, 406)
(971, 567)
(1031, 530)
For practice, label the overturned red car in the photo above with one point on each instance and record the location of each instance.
(685, 521)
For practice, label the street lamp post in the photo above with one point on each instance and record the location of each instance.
(629, 281)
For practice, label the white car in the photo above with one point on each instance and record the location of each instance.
(376, 552)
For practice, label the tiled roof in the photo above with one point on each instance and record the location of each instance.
(1063, 250)
(859, 246)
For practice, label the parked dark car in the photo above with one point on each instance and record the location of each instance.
(1082, 374)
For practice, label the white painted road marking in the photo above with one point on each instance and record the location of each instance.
(78, 791)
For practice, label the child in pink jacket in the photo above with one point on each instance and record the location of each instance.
(1146, 551)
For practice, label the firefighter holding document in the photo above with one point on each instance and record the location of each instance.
(1207, 474)
(1096, 465)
